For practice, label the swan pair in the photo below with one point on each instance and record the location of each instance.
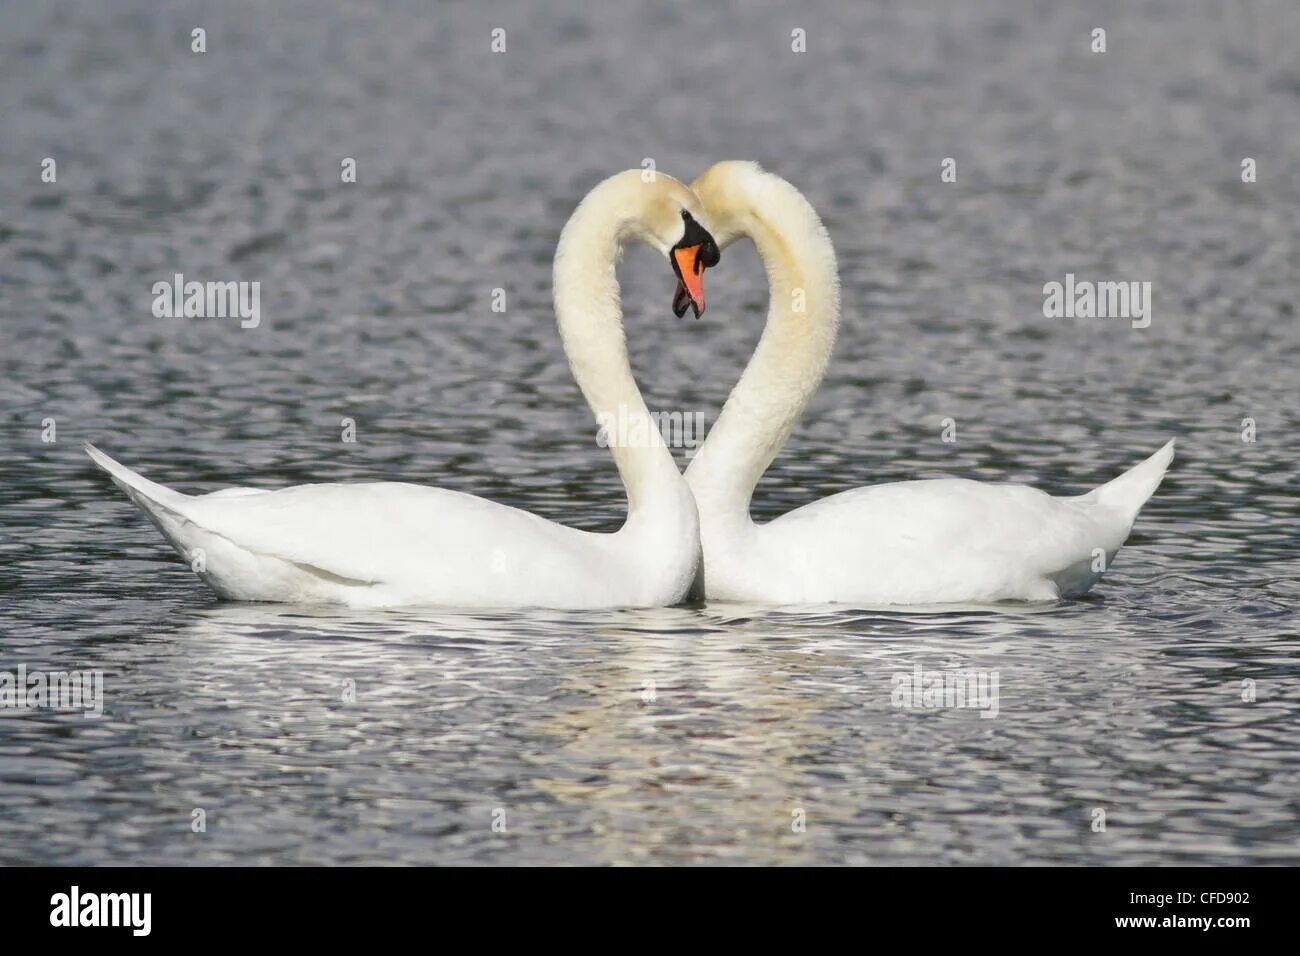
(913, 542)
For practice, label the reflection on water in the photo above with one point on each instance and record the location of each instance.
(670, 735)
(719, 733)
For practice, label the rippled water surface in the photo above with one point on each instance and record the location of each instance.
(692, 734)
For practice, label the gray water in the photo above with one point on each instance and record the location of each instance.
(690, 734)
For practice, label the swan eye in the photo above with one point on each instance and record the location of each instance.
(709, 254)
(695, 235)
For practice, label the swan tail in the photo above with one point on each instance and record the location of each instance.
(232, 570)
(1130, 491)
(158, 501)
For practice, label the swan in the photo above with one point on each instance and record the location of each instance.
(384, 544)
(911, 542)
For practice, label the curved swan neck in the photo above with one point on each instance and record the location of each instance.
(588, 308)
(791, 358)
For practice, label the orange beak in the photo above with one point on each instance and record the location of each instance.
(690, 280)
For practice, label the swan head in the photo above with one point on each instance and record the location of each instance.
(658, 210)
(671, 218)
(674, 221)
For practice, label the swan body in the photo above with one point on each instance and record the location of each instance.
(912, 542)
(387, 543)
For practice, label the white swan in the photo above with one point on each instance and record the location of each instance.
(912, 542)
(388, 543)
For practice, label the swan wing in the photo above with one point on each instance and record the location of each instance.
(944, 540)
(371, 543)
(934, 541)
(378, 532)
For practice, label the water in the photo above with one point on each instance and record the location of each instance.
(691, 734)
